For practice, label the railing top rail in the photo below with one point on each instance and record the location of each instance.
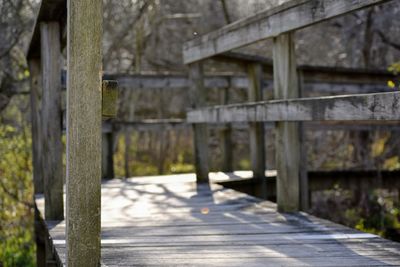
(293, 15)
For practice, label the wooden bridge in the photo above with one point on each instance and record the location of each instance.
(172, 221)
(191, 219)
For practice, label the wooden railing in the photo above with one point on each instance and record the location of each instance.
(287, 109)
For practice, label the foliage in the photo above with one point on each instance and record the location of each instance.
(395, 69)
(17, 247)
(375, 212)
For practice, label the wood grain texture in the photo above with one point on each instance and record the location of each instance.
(256, 129)
(84, 132)
(361, 107)
(290, 16)
(200, 131)
(287, 134)
(49, 10)
(172, 221)
(35, 102)
(51, 120)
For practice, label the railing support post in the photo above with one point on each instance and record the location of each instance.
(84, 122)
(35, 99)
(51, 120)
(200, 131)
(291, 191)
(256, 130)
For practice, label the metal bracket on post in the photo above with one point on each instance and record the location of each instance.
(109, 99)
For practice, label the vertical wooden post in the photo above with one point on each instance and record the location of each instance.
(51, 120)
(256, 130)
(200, 131)
(287, 134)
(84, 118)
(107, 155)
(305, 193)
(226, 136)
(35, 99)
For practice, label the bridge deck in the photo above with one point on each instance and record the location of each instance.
(169, 221)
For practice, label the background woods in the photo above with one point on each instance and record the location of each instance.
(146, 36)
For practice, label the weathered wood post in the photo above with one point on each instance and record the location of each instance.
(84, 118)
(287, 134)
(256, 129)
(200, 131)
(226, 136)
(51, 120)
(35, 101)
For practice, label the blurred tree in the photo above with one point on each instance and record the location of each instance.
(15, 25)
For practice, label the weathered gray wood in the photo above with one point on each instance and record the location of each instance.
(305, 193)
(235, 229)
(49, 10)
(292, 15)
(200, 131)
(107, 155)
(84, 115)
(226, 137)
(51, 120)
(361, 107)
(35, 101)
(177, 124)
(317, 79)
(287, 134)
(256, 129)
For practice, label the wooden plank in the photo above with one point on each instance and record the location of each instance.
(35, 102)
(200, 131)
(51, 121)
(362, 107)
(317, 79)
(256, 129)
(287, 134)
(177, 124)
(84, 132)
(179, 232)
(290, 16)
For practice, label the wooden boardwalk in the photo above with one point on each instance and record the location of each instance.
(171, 221)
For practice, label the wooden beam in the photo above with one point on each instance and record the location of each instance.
(317, 79)
(292, 15)
(362, 107)
(51, 121)
(200, 131)
(84, 132)
(35, 101)
(256, 129)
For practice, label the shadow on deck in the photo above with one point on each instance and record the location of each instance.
(171, 221)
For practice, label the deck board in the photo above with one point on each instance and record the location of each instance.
(171, 221)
